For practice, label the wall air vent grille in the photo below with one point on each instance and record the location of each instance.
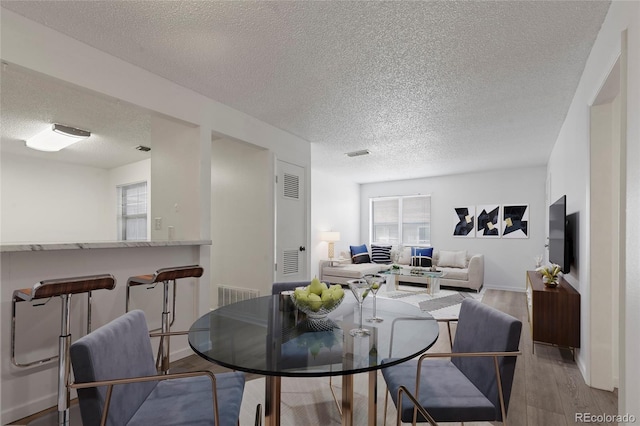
(291, 186)
(228, 295)
(290, 262)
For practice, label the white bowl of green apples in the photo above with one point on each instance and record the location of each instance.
(318, 299)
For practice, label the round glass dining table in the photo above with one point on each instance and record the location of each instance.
(265, 336)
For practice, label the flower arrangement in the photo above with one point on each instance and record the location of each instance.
(396, 253)
(550, 274)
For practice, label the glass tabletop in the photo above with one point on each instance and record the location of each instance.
(258, 336)
(416, 272)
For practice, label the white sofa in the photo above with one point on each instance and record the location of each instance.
(460, 269)
(470, 276)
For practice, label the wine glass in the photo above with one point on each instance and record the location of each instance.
(360, 289)
(375, 282)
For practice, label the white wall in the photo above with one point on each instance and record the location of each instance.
(568, 173)
(33, 46)
(241, 217)
(506, 260)
(335, 203)
(50, 201)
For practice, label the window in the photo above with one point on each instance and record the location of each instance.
(401, 220)
(132, 211)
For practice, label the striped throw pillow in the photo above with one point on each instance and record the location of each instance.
(380, 254)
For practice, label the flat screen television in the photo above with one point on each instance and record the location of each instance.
(560, 251)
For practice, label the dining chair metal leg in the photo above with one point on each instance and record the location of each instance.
(335, 397)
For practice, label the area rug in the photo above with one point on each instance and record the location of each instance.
(443, 304)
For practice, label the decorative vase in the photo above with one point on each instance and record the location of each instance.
(550, 282)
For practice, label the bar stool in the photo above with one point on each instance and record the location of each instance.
(164, 276)
(43, 292)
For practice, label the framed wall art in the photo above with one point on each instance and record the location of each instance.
(515, 221)
(488, 221)
(464, 221)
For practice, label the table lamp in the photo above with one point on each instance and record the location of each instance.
(331, 237)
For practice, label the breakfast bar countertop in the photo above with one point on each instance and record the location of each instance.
(16, 247)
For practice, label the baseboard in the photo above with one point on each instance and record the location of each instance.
(182, 353)
(28, 408)
(505, 288)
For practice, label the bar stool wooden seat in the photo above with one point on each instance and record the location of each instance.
(39, 295)
(164, 276)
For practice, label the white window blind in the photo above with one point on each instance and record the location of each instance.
(132, 211)
(401, 220)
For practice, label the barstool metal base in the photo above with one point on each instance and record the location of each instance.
(164, 276)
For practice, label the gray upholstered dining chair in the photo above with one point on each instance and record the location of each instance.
(278, 288)
(474, 384)
(118, 384)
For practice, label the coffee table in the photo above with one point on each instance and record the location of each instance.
(429, 279)
(260, 336)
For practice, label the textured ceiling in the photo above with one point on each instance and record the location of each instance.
(430, 88)
(30, 101)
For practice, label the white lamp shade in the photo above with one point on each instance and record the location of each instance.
(330, 236)
(56, 138)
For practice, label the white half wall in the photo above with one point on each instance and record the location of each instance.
(506, 260)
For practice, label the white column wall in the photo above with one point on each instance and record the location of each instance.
(568, 173)
(335, 203)
(240, 220)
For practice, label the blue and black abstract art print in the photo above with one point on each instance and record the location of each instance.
(515, 221)
(488, 223)
(464, 222)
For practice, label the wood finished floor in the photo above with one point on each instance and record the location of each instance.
(548, 388)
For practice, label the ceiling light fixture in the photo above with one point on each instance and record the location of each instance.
(358, 153)
(56, 138)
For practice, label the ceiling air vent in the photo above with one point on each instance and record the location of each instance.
(143, 148)
(358, 153)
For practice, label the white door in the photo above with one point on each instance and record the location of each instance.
(291, 223)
